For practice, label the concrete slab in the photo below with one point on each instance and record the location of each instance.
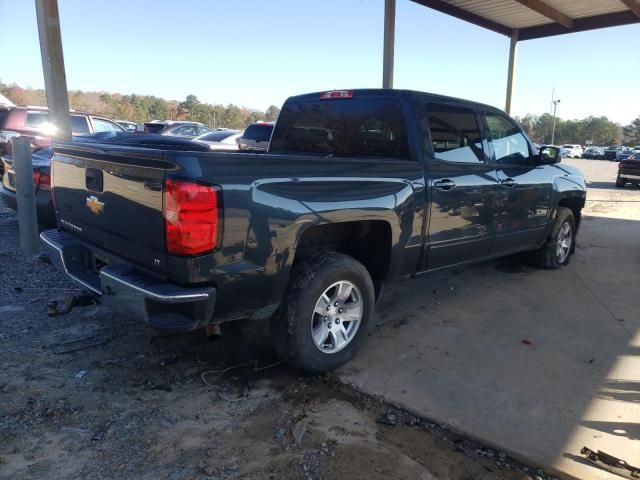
(535, 363)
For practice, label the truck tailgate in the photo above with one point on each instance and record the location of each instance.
(113, 199)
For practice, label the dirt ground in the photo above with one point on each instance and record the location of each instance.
(94, 395)
(91, 394)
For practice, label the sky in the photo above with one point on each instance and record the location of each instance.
(256, 53)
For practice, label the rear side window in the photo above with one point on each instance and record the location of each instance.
(349, 127)
(455, 135)
(258, 133)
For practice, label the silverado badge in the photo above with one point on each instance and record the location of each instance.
(95, 205)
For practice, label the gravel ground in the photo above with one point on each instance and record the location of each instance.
(94, 395)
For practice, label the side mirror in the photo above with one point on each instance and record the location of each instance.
(549, 155)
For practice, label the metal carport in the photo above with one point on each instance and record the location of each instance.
(519, 20)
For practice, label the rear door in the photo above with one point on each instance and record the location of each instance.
(462, 185)
(524, 196)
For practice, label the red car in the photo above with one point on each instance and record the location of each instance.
(33, 122)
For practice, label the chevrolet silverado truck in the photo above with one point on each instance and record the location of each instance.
(358, 188)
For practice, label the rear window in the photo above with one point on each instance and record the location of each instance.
(153, 127)
(216, 136)
(350, 127)
(258, 132)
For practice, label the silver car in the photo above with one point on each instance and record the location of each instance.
(221, 140)
(257, 137)
(176, 128)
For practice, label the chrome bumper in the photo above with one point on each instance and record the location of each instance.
(126, 290)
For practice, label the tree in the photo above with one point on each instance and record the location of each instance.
(631, 133)
(272, 113)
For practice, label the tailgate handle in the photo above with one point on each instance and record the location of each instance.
(93, 180)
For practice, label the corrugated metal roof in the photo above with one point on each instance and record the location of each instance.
(540, 18)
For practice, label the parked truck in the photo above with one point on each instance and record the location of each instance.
(358, 188)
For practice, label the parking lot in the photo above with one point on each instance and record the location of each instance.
(536, 363)
(532, 364)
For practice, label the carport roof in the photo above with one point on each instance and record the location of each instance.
(538, 18)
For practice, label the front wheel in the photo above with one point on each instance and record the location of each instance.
(557, 250)
(620, 182)
(325, 314)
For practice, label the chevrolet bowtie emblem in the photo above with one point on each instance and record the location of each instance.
(95, 205)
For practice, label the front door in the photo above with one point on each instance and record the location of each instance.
(524, 196)
(462, 185)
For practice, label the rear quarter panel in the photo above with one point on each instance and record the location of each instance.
(270, 200)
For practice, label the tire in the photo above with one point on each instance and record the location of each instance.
(620, 182)
(316, 284)
(550, 256)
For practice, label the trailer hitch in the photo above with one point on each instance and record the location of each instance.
(71, 300)
(611, 464)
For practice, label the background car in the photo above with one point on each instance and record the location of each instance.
(256, 137)
(593, 153)
(629, 171)
(573, 150)
(33, 122)
(127, 125)
(624, 153)
(611, 153)
(176, 128)
(221, 139)
(41, 159)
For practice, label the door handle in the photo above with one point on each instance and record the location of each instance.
(444, 185)
(509, 182)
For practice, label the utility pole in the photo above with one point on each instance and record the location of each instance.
(55, 80)
(389, 41)
(553, 122)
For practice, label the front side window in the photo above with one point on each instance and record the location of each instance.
(509, 144)
(258, 132)
(348, 127)
(455, 135)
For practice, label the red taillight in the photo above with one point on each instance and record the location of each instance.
(36, 178)
(45, 182)
(337, 94)
(191, 217)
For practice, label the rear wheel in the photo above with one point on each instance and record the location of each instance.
(620, 182)
(325, 314)
(557, 250)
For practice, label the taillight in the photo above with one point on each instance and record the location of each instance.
(190, 216)
(336, 94)
(36, 178)
(45, 182)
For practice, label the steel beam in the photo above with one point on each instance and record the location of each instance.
(25, 195)
(579, 25)
(511, 73)
(548, 11)
(55, 80)
(633, 5)
(465, 15)
(389, 43)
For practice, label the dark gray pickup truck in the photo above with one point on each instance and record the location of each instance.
(359, 187)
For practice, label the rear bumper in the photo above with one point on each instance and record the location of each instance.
(129, 291)
(44, 206)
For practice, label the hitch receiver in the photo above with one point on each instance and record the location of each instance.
(71, 300)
